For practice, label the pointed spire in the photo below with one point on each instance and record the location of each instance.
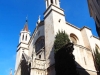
(26, 25)
(11, 72)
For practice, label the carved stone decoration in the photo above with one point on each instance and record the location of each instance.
(65, 61)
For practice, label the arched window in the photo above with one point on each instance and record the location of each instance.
(26, 38)
(52, 1)
(39, 43)
(73, 38)
(56, 1)
(39, 56)
(23, 37)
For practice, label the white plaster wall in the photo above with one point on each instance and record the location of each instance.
(85, 38)
(23, 45)
(38, 67)
(18, 59)
(18, 71)
(49, 38)
(69, 29)
(37, 72)
(55, 8)
(52, 25)
(96, 42)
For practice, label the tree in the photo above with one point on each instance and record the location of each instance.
(64, 58)
(97, 58)
(61, 39)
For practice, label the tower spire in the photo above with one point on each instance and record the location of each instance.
(26, 25)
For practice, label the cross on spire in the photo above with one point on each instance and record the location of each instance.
(27, 19)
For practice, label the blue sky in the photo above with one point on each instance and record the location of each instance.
(12, 19)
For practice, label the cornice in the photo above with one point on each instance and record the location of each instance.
(54, 6)
(51, 11)
(23, 48)
(96, 37)
(77, 27)
(72, 26)
(85, 27)
(22, 43)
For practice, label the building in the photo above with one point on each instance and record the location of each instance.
(94, 8)
(35, 54)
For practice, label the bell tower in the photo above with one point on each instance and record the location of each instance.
(23, 44)
(24, 34)
(49, 2)
(54, 20)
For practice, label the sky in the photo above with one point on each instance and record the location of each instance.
(12, 19)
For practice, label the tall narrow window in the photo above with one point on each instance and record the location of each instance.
(23, 37)
(73, 38)
(47, 3)
(39, 56)
(84, 60)
(56, 2)
(52, 1)
(26, 38)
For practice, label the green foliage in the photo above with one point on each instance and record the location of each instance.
(61, 39)
(97, 58)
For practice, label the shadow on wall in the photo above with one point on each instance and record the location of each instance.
(65, 62)
(81, 70)
(25, 68)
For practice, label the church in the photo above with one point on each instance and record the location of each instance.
(35, 53)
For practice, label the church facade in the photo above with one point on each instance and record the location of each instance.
(35, 54)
